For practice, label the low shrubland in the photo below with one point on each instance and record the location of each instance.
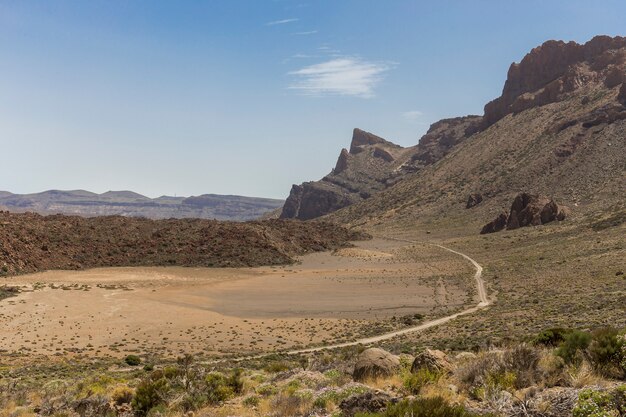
(573, 372)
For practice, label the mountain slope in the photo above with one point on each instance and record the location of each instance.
(371, 165)
(569, 144)
(128, 203)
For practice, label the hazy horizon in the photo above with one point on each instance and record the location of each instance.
(246, 97)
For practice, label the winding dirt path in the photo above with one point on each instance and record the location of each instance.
(482, 295)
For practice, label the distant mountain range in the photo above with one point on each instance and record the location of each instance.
(131, 204)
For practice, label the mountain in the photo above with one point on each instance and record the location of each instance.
(558, 130)
(131, 204)
(371, 165)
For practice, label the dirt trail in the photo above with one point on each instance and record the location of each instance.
(482, 295)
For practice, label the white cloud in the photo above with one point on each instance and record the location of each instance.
(310, 32)
(346, 76)
(281, 22)
(412, 115)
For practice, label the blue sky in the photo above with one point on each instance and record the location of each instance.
(247, 97)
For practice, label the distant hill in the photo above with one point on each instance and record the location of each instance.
(131, 204)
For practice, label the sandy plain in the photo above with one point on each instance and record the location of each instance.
(167, 311)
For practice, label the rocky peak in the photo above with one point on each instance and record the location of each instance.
(361, 138)
(554, 68)
(342, 161)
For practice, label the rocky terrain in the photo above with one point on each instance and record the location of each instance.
(558, 130)
(130, 204)
(371, 165)
(31, 242)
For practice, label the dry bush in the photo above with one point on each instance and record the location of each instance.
(290, 405)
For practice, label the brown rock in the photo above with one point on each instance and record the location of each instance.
(552, 69)
(499, 223)
(527, 210)
(369, 402)
(383, 154)
(342, 161)
(433, 360)
(375, 363)
(361, 138)
(621, 97)
(474, 200)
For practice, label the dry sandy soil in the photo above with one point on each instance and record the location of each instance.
(166, 311)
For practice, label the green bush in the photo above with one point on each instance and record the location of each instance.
(149, 394)
(600, 403)
(551, 337)
(605, 352)
(572, 347)
(414, 382)
(422, 407)
(132, 360)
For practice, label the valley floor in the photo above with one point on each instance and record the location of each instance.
(376, 286)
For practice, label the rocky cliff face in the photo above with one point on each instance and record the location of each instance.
(556, 68)
(558, 130)
(371, 165)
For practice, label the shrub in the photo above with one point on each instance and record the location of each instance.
(551, 337)
(251, 401)
(600, 403)
(289, 405)
(414, 382)
(122, 395)
(218, 389)
(523, 362)
(422, 407)
(605, 352)
(149, 394)
(574, 344)
(132, 360)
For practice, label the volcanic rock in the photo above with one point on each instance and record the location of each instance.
(433, 361)
(621, 97)
(555, 68)
(369, 402)
(342, 161)
(473, 200)
(375, 363)
(499, 223)
(527, 210)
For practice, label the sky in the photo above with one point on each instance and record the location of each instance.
(248, 96)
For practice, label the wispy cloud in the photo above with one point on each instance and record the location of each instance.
(412, 115)
(346, 76)
(281, 22)
(310, 32)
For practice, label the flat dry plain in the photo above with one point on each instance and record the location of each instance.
(325, 298)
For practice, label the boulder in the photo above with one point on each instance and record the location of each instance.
(474, 200)
(433, 360)
(527, 210)
(499, 223)
(375, 363)
(369, 402)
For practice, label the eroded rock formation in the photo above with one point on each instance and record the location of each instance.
(527, 210)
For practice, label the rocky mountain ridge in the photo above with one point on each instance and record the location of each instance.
(558, 129)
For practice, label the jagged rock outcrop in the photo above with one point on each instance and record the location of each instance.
(371, 165)
(554, 69)
(442, 136)
(342, 161)
(499, 223)
(473, 200)
(375, 363)
(527, 210)
(361, 138)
